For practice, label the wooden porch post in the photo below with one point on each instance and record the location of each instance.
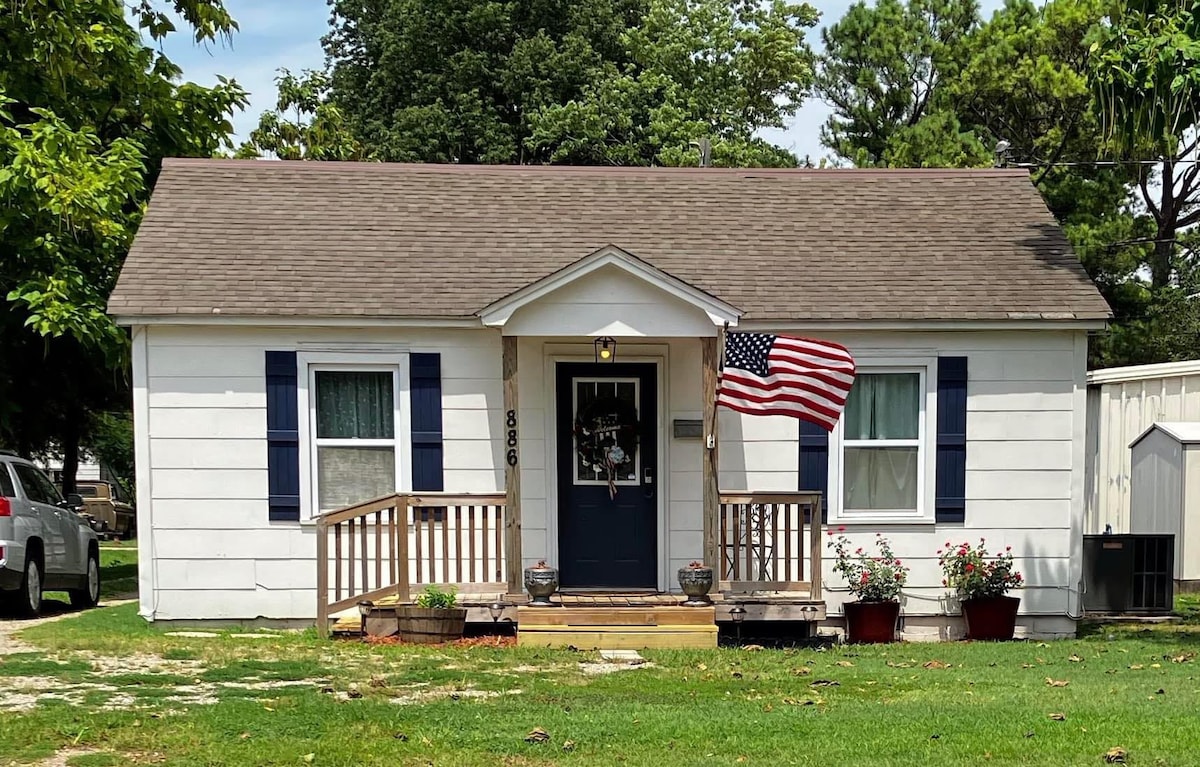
(512, 470)
(712, 509)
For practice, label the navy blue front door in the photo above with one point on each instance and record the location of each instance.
(607, 475)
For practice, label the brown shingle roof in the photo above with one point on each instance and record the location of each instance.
(321, 239)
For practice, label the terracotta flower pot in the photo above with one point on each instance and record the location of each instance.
(991, 618)
(871, 622)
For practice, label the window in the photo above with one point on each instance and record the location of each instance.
(37, 488)
(353, 425)
(883, 457)
(7, 489)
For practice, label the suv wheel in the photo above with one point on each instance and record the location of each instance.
(30, 599)
(89, 595)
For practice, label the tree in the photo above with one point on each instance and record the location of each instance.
(87, 111)
(1146, 78)
(458, 80)
(305, 124)
(882, 71)
(697, 69)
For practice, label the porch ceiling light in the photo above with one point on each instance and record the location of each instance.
(606, 349)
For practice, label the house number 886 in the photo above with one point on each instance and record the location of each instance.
(510, 420)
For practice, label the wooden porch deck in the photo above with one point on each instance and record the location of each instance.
(758, 607)
(765, 547)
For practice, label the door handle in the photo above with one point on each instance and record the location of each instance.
(648, 476)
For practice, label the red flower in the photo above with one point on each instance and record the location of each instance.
(944, 582)
(896, 563)
(842, 529)
(830, 533)
(858, 550)
(1008, 548)
(970, 568)
(898, 576)
(864, 577)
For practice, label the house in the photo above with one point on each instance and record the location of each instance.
(309, 336)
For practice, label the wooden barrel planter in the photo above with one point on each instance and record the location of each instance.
(425, 625)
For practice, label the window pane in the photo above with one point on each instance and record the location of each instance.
(881, 478)
(883, 406)
(354, 405)
(606, 431)
(6, 484)
(34, 486)
(348, 475)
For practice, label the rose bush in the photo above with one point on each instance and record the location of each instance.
(872, 578)
(974, 573)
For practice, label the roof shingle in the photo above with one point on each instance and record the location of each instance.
(255, 238)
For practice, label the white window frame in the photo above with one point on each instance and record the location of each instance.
(308, 365)
(926, 368)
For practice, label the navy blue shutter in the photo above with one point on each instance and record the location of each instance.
(951, 478)
(283, 438)
(425, 386)
(814, 463)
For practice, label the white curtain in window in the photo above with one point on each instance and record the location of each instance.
(880, 478)
(349, 475)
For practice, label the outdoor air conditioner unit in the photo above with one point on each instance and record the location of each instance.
(1129, 574)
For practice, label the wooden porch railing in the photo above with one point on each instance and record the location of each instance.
(385, 546)
(762, 542)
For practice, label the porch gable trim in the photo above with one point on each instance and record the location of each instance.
(719, 312)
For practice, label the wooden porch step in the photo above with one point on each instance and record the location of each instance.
(615, 616)
(617, 628)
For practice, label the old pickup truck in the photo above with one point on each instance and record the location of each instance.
(106, 509)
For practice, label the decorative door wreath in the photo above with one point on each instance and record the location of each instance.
(606, 437)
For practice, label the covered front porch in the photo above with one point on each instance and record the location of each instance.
(768, 557)
(607, 436)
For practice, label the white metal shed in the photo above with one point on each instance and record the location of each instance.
(1165, 490)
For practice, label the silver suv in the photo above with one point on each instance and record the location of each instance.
(44, 544)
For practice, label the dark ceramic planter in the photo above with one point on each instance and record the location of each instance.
(541, 582)
(696, 582)
(871, 622)
(991, 618)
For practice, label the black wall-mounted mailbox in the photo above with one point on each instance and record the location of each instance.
(686, 428)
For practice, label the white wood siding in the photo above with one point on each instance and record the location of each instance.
(211, 552)
(202, 473)
(1024, 482)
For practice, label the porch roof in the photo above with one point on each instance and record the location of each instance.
(244, 238)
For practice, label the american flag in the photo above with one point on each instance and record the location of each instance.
(766, 374)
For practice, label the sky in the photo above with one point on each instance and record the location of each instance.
(287, 33)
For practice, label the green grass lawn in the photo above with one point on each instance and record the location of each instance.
(132, 695)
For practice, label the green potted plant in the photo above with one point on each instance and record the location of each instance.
(982, 583)
(876, 580)
(436, 617)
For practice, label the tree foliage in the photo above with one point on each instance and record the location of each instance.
(882, 72)
(1146, 79)
(88, 107)
(459, 80)
(711, 69)
(305, 124)
(627, 82)
(946, 92)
